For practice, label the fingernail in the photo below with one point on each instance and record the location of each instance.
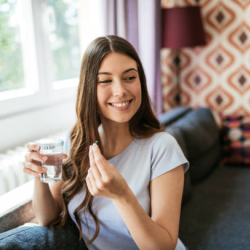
(90, 147)
(37, 146)
(44, 169)
(94, 146)
(44, 158)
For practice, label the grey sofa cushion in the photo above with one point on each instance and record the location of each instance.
(199, 130)
(198, 135)
(173, 115)
(217, 216)
(201, 166)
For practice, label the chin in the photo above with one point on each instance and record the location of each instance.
(121, 120)
(124, 119)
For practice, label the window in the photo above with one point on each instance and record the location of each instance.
(41, 46)
(64, 38)
(11, 62)
(39, 53)
(46, 40)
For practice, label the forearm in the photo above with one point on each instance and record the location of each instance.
(45, 208)
(146, 233)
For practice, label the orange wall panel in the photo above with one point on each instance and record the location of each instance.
(216, 75)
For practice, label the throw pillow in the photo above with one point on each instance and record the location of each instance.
(236, 140)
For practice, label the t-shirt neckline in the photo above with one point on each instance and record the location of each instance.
(123, 152)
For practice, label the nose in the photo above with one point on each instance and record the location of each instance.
(119, 88)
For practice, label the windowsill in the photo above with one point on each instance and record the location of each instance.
(16, 93)
(26, 99)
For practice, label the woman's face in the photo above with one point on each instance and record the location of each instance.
(118, 88)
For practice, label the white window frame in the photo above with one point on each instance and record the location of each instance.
(45, 106)
(40, 90)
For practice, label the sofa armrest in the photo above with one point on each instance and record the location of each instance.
(173, 115)
(16, 207)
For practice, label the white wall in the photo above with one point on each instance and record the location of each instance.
(18, 129)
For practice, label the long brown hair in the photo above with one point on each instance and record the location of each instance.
(85, 131)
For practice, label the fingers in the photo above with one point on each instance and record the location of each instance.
(89, 185)
(99, 160)
(32, 153)
(94, 178)
(91, 156)
(94, 170)
(30, 172)
(32, 146)
(32, 159)
(101, 175)
(35, 156)
(33, 169)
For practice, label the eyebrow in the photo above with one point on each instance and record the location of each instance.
(107, 73)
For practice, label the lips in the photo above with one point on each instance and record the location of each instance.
(121, 105)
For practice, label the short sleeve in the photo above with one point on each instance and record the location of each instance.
(166, 155)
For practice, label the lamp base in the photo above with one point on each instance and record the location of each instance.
(177, 62)
(178, 98)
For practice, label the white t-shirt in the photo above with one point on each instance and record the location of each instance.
(142, 161)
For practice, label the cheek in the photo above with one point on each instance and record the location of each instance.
(100, 96)
(137, 93)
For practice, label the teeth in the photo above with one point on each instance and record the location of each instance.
(120, 104)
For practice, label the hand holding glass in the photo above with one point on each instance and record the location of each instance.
(53, 150)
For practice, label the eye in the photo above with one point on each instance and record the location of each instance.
(106, 81)
(130, 78)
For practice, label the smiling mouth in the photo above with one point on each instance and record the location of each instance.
(121, 104)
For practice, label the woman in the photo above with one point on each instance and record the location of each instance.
(126, 192)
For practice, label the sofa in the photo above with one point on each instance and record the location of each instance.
(216, 201)
(215, 206)
(198, 134)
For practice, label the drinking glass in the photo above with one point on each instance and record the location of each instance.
(53, 150)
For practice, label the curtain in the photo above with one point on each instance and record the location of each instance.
(138, 21)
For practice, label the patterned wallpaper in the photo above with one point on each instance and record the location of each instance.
(216, 75)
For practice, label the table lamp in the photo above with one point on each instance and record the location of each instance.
(182, 27)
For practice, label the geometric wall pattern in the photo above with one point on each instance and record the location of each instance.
(216, 75)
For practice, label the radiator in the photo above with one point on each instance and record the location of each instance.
(11, 165)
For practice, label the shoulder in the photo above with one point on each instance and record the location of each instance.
(157, 140)
(157, 144)
(164, 138)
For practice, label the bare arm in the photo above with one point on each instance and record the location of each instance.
(161, 230)
(46, 202)
(46, 199)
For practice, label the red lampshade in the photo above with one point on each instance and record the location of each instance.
(182, 27)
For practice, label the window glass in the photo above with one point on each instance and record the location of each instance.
(64, 38)
(11, 59)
